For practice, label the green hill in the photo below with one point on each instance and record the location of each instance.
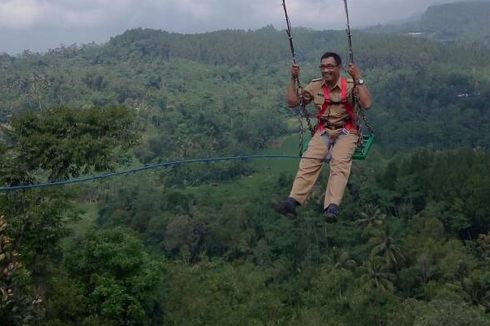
(233, 83)
(460, 22)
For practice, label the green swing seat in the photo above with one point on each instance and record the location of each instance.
(361, 152)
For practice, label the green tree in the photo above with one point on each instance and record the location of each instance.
(437, 312)
(17, 304)
(476, 289)
(119, 281)
(66, 142)
(371, 218)
(54, 144)
(383, 243)
(377, 275)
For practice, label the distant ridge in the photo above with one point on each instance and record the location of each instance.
(459, 22)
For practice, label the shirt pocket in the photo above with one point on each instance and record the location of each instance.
(318, 99)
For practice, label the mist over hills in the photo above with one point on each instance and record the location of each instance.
(459, 23)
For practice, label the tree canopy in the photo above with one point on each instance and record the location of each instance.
(198, 244)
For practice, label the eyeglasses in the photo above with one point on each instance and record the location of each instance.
(328, 67)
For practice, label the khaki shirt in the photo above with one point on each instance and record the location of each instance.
(335, 114)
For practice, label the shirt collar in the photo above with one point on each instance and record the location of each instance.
(338, 84)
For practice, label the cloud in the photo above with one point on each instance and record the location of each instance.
(20, 14)
(198, 15)
(75, 21)
(25, 14)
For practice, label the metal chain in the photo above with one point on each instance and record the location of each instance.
(357, 106)
(302, 110)
(301, 131)
(366, 121)
(360, 113)
(303, 113)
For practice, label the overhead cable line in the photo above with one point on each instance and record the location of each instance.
(145, 168)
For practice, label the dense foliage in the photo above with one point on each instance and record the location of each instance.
(199, 244)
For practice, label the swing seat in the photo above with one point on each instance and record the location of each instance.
(361, 152)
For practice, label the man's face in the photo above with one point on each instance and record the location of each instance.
(330, 70)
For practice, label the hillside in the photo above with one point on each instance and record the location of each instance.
(218, 73)
(460, 22)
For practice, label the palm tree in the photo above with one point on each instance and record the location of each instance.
(476, 291)
(341, 259)
(371, 218)
(384, 244)
(377, 275)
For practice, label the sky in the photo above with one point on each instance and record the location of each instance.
(39, 25)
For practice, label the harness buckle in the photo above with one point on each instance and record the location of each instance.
(331, 126)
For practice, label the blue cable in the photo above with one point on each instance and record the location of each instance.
(147, 167)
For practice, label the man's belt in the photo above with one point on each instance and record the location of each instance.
(332, 126)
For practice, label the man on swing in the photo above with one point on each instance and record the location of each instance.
(336, 134)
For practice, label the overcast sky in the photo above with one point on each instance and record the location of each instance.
(42, 24)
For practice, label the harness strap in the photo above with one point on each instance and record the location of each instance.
(350, 124)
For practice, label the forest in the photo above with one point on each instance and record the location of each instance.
(198, 244)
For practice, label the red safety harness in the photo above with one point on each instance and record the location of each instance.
(350, 123)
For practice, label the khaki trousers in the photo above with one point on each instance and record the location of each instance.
(311, 164)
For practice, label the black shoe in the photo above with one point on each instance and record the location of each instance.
(286, 207)
(331, 213)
